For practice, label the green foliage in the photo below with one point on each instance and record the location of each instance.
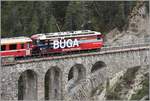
(74, 18)
(127, 79)
(52, 24)
(94, 91)
(26, 18)
(130, 75)
(144, 91)
(30, 17)
(111, 95)
(34, 24)
(124, 83)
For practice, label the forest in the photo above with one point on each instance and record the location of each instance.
(25, 18)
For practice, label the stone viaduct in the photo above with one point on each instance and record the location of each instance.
(54, 77)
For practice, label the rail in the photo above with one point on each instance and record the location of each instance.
(125, 46)
(104, 50)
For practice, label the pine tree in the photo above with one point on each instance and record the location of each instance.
(21, 18)
(51, 26)
(34, 24)
(74, 16)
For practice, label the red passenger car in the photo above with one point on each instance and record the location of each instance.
(16, 46)
(67, 41)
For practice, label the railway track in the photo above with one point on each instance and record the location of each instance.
(103, 50)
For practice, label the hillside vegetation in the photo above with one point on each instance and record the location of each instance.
(29, 17)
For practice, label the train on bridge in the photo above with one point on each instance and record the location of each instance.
(50, 43)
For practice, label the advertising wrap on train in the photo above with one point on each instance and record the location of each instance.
(65, 43)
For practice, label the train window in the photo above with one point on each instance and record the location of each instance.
(42, 41)
(12, 46)
(3, 47)
(22, 46)
(98, 37)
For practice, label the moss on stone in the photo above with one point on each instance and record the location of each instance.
(124, 82)
(94, 91)
(144, 91)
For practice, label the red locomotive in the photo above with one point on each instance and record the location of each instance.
(66, 41)
(57, 42)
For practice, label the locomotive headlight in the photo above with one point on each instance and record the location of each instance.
(40, 48)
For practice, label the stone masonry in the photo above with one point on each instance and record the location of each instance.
(26, 80)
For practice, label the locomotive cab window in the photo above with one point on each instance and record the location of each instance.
(12, 46)
(3, 47)
(42, 41)
(98, 37)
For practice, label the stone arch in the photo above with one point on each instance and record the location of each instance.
(27, 85)
(53, 84)
(98, 65)
(77, 72)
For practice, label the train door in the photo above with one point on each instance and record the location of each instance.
(27, 47)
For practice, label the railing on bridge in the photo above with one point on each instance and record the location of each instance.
(141, 42)
(125, 46)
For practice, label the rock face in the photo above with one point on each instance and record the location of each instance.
(138, 28)
(88, 86)
(122, 88)
(137, 85)
(138, 31)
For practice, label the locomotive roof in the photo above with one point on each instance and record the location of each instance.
(14, 40)
(66, 34)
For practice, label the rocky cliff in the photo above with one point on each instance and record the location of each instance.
(136, 31)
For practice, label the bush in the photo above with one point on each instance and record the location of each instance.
(144, 91)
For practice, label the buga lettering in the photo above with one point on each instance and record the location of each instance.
(65, 43)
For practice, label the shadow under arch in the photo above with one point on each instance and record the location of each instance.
(53, 84)
(27, 85)
(97, 66)
(77, 72)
